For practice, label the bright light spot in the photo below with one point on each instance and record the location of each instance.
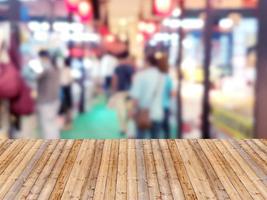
(176, 12)
(76, 27)
(150, 28)
(45, 26)
(166, 22)
(76, 73)
(188, 43)
(226, 23)
(65, 36)
(36, 66)
(189, 63)
(41, 36)
(37, 26)
(77, 37)
(164, 37)
(84, 8)
(91, 37)
(142, 26)
(122, 22)
(140, 38)
(192, 23)
(174, 39)
(110, 38)
(34, 26)
(163, 6)
(61, 26)
(172, 23)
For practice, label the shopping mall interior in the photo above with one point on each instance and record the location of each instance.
(115, 69)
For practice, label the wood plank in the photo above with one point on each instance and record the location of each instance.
(132, 172)
(236, 182)
(249, 171)
(66, 170)
(52, 179)
(218, 167)
(110, 192)
(264, 141)
(10, 177)
(121, 188)
(29, 182)
(162, 175)
(197, 175)
(4, 144)
(261, 165)
(250, 186)
(84, 170)
(216, 185)
(141, 171)
(103, 172)
(257, 151)
(261, 145)
(175, 185)
(15, 162)
(2, 141)
(36, 189)
(186, 185)
(89, 188)
(18, 182)
(9, 155)
(151, 173)
(80, 161)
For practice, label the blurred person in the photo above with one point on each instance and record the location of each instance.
(81, 82)
(146, 92)
(121, 84)
(48, 88)
(66, 92)
(93, 82)
(107, 64)
(167, 93)
(123, 74)
(79, 75)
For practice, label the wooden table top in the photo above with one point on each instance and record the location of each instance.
(133, 169)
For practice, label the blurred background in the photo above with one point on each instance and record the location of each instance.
(109, 69)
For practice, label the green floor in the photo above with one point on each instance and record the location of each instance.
(98, 123)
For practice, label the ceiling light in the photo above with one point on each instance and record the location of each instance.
(176, 12)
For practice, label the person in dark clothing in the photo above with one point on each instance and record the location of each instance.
(66, 99)
(123, 74)
(121, 84)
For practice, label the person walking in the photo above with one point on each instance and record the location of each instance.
(107, 64)
(121, 84)
(48, 88)
(66, 99)
(167, 94)
(146, 92)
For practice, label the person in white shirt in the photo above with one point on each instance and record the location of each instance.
(147, 91)
(108, 63)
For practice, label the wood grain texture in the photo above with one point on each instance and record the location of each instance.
(133, 169)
